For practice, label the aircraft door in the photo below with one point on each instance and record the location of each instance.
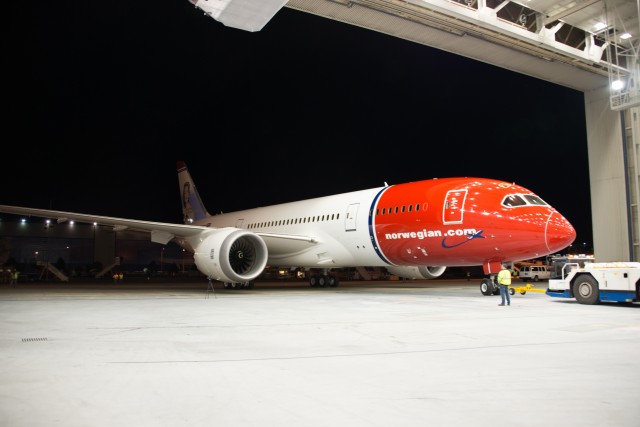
(350, 220)
(453, 209)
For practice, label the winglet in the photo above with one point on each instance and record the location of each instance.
(192, 207)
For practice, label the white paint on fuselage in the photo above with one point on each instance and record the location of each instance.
(332, 240)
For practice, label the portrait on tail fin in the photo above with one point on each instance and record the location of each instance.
(192, 207)
(187, 209)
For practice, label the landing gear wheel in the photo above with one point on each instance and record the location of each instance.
(322, 280)
(313, 280)
(486, 287)
(585, 290)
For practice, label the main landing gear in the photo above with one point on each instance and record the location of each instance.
(489, 287)
(323, 280)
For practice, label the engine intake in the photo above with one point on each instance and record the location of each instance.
(231, 255)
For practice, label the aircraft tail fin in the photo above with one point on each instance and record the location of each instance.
(192, 207)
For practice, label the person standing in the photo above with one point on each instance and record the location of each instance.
(504, 280)
(14, 277)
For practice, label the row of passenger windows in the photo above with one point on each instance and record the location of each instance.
(306, 220)
(398, 209)
(334, 217)
(509, 201)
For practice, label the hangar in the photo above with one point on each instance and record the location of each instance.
(409, 355)
(588, 45)
(554, 41)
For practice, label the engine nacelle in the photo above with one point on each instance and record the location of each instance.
(421, 272)
(231, 255)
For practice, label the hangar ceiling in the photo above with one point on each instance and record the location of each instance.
(581, 44)
(567, 42)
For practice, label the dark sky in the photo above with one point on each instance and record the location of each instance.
(105, 97)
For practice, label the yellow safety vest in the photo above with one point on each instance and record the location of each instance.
(504, 277)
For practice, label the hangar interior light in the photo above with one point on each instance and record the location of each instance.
(617, 84)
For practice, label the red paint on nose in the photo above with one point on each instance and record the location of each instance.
(559, 233)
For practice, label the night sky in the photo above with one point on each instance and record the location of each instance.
(105, 97)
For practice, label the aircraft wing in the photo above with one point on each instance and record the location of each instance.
(161, 232)
(248, 15)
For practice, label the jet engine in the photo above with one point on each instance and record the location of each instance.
(422, 272)
(231, 255)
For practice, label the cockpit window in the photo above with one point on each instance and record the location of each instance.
(535, 200)
(514, 200)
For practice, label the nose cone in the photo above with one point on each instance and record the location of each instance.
(559, 234)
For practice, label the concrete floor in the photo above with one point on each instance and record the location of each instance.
(431, 353)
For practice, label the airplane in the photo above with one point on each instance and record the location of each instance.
(415, 230)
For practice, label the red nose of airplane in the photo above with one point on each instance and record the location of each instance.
(560, 233)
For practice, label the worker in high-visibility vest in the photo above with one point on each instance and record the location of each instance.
(504, 280)
(14, 278)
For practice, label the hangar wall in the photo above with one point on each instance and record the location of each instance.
(632, 125)
(610, 219)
